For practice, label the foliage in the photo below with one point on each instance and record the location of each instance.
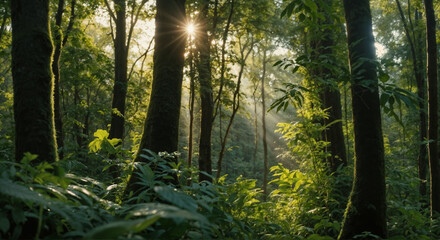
(44, 197)
(81, 198)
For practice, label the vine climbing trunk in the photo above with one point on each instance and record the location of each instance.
(366, 210)
(33, 80)
(431, 50)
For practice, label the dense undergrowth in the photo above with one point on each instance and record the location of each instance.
(77, 199)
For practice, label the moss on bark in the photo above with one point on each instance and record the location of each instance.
(33, 81)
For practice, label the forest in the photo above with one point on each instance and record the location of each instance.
(219, 119)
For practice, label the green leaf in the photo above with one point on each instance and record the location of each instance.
(118, 228)
(20, 192)
(164, 211)
(278, 63)
(177, 198)
(101, 134)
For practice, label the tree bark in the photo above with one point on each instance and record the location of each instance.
(121, 81)
(421, 93)
(366, 210)
(431, 50)
(204, 68)
(60, 41)
(33, 80)
(331, 99)
(161, 129)
(256, 135)
(58, 35)
(191, 106)
(263, 123)
(162, 123)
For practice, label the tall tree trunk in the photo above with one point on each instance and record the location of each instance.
(417, 68)
(263, 122)
(366, 210)
(191, 106)
(256, 135)
(85, 130)
(77, 126)
(331, 99)
(431, 49)
(120, 87)
(218, 98)
(162, 123)
(161, 128)
(58, 35)
(347, 134)
(421, 93)
(330, 96)
(3, 26)
(60, 41)
(204, 67)
(32, 77)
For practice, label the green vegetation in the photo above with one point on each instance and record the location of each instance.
(263, 120)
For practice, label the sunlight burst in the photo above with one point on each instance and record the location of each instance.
(190, 29)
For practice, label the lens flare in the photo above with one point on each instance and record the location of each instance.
(191, 29)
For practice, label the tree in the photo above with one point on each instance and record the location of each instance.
(60, 41)
(33, 80)
(264, 130)
(162, 123)
(418, 72)
(431, 50)
(323, 74)
(366, 210)
(331, 98)
(207, 104)
(121, 45)
(5, 18)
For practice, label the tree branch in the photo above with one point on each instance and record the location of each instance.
(110, 11)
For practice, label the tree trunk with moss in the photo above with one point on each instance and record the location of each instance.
(56, 72)
(161, 127)
(431, 50)
(59, 42)
(33, 80)
(366, 210)
(204, 68)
